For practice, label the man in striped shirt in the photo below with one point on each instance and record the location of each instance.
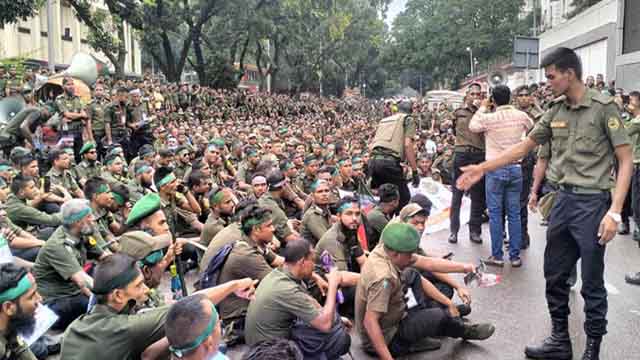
(503, 128)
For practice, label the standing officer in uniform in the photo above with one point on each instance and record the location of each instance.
(97, 117)
(116, 117)
(392, 144)
(469, 149)
(586, 135)
(74, 117)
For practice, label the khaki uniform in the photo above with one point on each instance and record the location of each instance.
(390, 135)
(584, 138)
(113, 179)
(116, 116)
(211, 228)
(181, 170)
(136, 191)
(104, 334)
(62, 256)
(63, 179)
(280, 221)
(280, 299)
(85, 170)
(65, 103)
(315, 222)
(245, 172)
(28, 217)
(464, 136)
(247, 259)
(380, 289)
(96, 111)
(14, 348)
(343, 250)
(226, 236)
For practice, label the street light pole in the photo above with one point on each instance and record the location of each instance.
(470, 50)
(51, 56)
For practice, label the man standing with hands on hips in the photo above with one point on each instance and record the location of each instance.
(586, 135)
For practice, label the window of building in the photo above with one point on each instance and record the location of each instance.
(631, 27)
(67, 34)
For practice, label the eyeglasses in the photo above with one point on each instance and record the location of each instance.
(523, 95)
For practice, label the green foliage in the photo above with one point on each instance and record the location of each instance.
(431, 36)
(12, 11)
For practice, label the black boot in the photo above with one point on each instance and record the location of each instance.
(555, 347)
(592, 350)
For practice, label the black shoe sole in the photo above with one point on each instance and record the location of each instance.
(549, 356)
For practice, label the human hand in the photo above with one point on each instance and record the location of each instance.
(470, 175)
(334, 278)
(246, 288)
(469, 268)
(607, 230)
(453, 310)
(346, 322)
(415, 180)
(533, 202)
(464, 294)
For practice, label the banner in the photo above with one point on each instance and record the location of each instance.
(440, 197)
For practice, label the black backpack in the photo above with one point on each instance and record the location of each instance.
(209, 277)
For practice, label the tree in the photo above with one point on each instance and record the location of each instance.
(15, 10)
(106, 33)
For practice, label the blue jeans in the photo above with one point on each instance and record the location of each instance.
(503, 190)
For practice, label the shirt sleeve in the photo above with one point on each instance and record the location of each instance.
(477, 123)
(62, 260)
(299, 303)
(544, 152)
(541, 132)
(315, 226)
(245, 261)
(147, 328)
(378, 296)
(633, 126)
(616, 131)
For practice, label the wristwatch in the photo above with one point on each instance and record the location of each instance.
(615, 216)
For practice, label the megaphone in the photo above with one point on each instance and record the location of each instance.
(497, 78)
(9, 107)
(83, 67)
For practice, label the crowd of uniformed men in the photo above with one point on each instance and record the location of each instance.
(262, 197)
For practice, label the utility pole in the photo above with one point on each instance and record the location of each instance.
(535, 18)
(51, 52)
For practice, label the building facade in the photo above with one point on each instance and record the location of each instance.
(628, 45)
(29, 39)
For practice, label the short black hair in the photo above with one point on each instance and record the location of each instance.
(521, 88)
(424, 202)
(295, 250)
(92, 185)
(121, 90)
(110, 267)
(563, 59)
(501, 95)
(55, 155)
(186, 320)
(20, 182)
(388, 192)
(10, 275)
(121, 190)
(635, 94)
(196, 178)
(161, 173)
(252, 212)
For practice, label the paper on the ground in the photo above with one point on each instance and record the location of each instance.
(5, 251)
(45, 318)
(440, 197)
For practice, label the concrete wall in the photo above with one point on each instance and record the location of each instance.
(16, 42)
(594, 25)
(627, 65)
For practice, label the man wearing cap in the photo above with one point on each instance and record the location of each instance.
(223, 207)
(380, 215)
(145, 241)
(391, 325)
(247, 169)
(60, 175)
(59, 267)
(110, 330)
(272, 200)
(89, 166)
(182, 162)
(145, 153)
(283, 307)
(19, 300)
(74, 116)
(194, 329)
(317, 219)
(114, 170)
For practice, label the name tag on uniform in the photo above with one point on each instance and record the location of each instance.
(559, 124)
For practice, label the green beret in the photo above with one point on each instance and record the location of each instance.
(218, 142)
(86, 147)
(144, 207)
(400, 237)
(309, 159)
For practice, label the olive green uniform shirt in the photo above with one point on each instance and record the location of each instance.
(63, 179)
(104, 334)
(464, 136)
(85, 170)
(96, 112)
(64, 103)
(315, 222)
(62, 256)
(246, 260)
(280, 221)
(380, 289)
(343, 249)
(226, 236)
(633, 128)
(27, 217)
(14, 348)
(583, 139)
(280, 299)
(211, 228)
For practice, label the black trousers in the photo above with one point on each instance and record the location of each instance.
(387, 171)
(461, 159)
(422, 321)
(573, 234)
(528, 163)
(68, 309)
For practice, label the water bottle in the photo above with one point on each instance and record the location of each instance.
(327, 264)
(176, 286)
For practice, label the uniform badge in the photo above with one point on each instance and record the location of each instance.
(92, 241)
(559, 124)
(613, 123)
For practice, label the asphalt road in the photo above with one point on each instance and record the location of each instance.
(518, 308)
